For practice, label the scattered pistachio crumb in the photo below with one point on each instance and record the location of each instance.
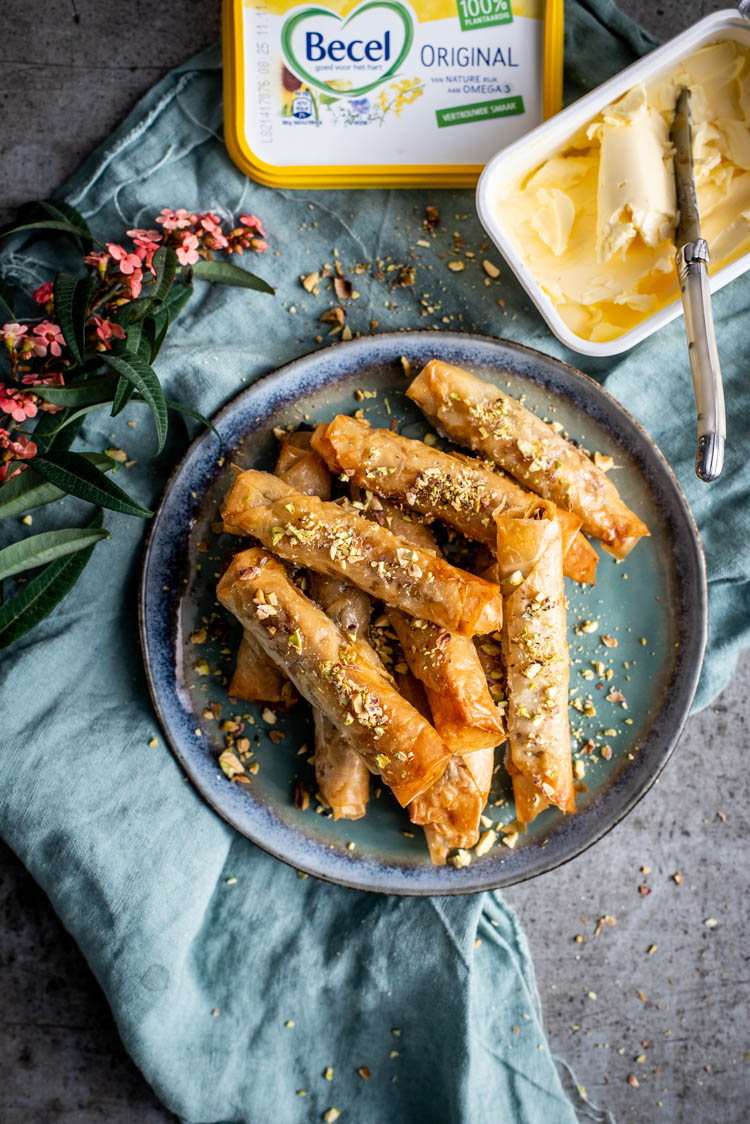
(486, 841)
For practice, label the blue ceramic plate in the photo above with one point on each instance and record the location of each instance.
(653, 605)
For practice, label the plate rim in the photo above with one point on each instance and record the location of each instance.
(470, 882)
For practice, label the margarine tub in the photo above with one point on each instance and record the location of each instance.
(584, 208)
(369, 93)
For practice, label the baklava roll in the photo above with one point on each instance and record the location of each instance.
(301, 467)
(451, 809)
(535, 654)
(342, 776)
(476, 413)
(256, 678)
(459, 491)
(335, 540)
(334, 673)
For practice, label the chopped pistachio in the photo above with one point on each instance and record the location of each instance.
(231, 765)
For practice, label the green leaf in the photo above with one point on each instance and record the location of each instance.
(29, 490)
(75, 475)
(139, 336)
(182, 409)
(227, 274)
(38, 550)
(178, 297)
(36, 600)
(165, 266)
(72, 297)
(143, 378)
(92, 392)
(146, 338)
(47, 224)
(68, 419)
(161, 334)
(123, 394)
(6, 301)
(58, 209)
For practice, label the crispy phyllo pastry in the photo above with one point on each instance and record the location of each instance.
(342, 776)
(448, 666)
(535, 654)
(301, 467)
(456, 696)
(450, 810)
(476, 413)
(459, 491)
(335, 540)
(338, 675)
(257, 678)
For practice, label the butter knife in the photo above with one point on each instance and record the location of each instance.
(691, 259)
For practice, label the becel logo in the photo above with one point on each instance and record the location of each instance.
(353, 54)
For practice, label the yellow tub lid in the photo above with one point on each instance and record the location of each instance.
(375, 93)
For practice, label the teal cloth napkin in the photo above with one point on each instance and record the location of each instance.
(204, 976)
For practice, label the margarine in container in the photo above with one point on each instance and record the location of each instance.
(368, 93)
(584, 209)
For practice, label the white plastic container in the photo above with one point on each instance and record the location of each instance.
(524, 155)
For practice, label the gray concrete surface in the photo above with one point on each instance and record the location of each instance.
(660, 994)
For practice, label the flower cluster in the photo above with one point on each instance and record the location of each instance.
(37, 352)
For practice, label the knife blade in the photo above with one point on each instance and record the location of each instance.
(691, 260)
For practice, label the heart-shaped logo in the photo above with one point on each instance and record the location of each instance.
(327, 51)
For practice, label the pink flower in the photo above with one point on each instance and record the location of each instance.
(43, 294)
(51, 336)
(134, 283)
(145, 235)
(20, 404)
(18, 448)
(128, 262)
(33, 344)
(175, 220)
(146, 245)
(51, 378)
(216, 239)
(105, 330)
(187, 253)
(12, 334)
(254, 221)
(99, 260)
(6, 474)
